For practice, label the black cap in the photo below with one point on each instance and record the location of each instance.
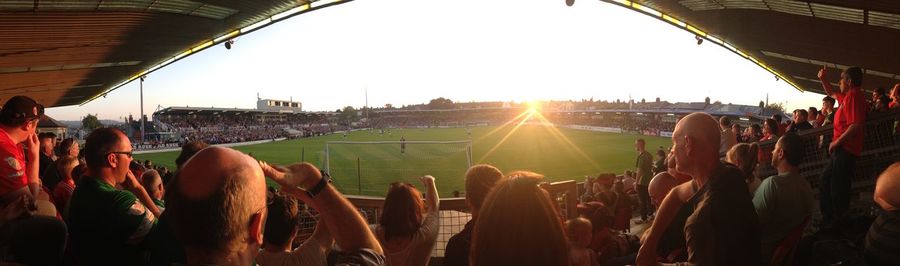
(19, 109)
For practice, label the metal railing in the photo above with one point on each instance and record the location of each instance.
(454, 213)
(881, 147)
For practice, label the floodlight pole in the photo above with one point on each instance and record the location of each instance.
(367, 107)
(142, 108)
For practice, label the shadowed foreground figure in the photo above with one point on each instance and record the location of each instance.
(480, 179)
(219, 209)
(884, 234)
(722, 228)
(518, 224)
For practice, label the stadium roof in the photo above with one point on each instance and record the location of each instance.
(70, 52)
(794, 39)
(49, 122)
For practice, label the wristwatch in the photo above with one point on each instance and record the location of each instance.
(326, 178)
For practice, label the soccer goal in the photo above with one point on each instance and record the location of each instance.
(369, 167)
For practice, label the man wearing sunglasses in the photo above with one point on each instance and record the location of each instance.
(110, 212)
(19, 168)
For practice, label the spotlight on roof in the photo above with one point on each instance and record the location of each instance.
(228, 44)
(776, 78)
(570, 2)
(699, 40)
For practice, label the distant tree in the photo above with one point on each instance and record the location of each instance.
(776, 106)
(440, 103)
(707, 100)
(718, 102)
(762, 104)
(348, 114)
(657, 99)
(388, 106)
(643, 100)
(90, 122)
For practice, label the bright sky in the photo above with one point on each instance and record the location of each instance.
(411, 51)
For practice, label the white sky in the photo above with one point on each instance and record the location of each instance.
(411, 51)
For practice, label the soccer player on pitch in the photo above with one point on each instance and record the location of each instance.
(402, 145)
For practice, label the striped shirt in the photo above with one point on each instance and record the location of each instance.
(883, 239)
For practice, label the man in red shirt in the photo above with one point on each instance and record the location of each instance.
(846, 144)
(18, 123)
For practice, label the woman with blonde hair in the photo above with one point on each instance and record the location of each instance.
(519, 224)
(745, 156)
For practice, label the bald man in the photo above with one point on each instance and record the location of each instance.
(218, 207)
(672, 239)
(664, 182)
(218, 204)
(152, 182)
(882, 239)
(722, 228)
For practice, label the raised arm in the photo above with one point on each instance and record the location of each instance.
(344, 222)
(131, 184)
(320, 241)
(32, 167)
(431, 197)
(825, 84)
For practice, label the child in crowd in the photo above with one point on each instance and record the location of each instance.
(603, 190)
(628, 181)
(622, 211)
(579, 235)
(63, 191)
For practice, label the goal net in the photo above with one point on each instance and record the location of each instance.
(369, 167)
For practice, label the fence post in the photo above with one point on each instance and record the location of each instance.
(358, 177)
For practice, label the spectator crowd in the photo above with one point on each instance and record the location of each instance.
(64, 205)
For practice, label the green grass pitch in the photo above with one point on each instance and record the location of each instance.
(559, 154)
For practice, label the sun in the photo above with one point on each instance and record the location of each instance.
(533, 106)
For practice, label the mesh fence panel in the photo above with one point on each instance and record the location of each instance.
(453, 213)
(881, 147)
